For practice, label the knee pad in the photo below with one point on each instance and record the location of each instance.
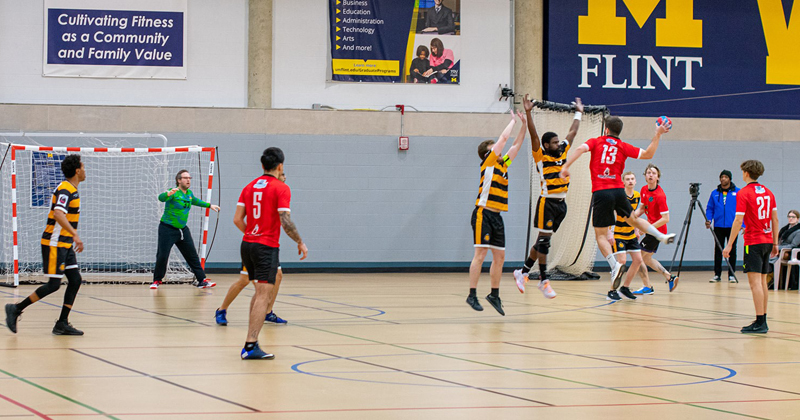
(51, 286)
(542, 245)
(73, 276)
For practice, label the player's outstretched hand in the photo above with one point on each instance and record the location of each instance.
(215, 208)
(172, 191)
(578, 105)
(564, 174)
(527, 104)
(662, 129)
(77, 243)
(522, 117)
(302, 250)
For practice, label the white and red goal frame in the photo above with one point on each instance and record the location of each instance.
(14, 148)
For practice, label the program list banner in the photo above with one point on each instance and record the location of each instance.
(681, 58)
(121, 39)
(395, 41)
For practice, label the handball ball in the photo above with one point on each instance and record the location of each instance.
(665, 121)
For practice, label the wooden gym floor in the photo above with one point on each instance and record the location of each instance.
(400, 346)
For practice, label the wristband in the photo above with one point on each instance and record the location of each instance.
(578, 115)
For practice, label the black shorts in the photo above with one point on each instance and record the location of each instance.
(650, 243)
(626, 245)
(244, 270)
(605, 203)
(550, 212)
(488, 229)
(260, 261)
(756, 258)
(55, 260)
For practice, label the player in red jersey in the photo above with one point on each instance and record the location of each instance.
(756, 207)
(262, 209)
(654, 205)
(608, 155)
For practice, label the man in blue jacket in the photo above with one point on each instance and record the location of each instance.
(721, 209)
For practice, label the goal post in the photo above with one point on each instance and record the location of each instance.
(573, 246)
(120, 211)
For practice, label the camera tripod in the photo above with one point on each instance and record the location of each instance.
(694, 191)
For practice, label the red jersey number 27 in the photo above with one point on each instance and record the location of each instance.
(763, 207)
(609, 154)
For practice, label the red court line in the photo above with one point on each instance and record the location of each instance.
(345, 410)
(21, 405)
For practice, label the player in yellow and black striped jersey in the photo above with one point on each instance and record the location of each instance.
(60, 242)
(625, 242)
(487, 224)
(550, 154)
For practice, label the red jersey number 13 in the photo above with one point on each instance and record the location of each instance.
(609, 154)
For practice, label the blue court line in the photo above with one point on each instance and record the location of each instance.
(731, 373)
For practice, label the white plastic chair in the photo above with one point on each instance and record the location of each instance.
(793, 260)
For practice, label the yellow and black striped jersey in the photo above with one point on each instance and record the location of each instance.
(622, 230)
(65, 199)
(493, 192)
(549, 167)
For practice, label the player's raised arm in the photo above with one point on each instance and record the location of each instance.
(512, 152)
(498, 147)
(528, 105)
(651, 149)
(573, 156)
(576, 122)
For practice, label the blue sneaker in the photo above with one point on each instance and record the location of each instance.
(271, 317)
(673, 282)
(219, 315)
(644, 291)
(256, 353)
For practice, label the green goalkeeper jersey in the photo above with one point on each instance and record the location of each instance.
(176, 209)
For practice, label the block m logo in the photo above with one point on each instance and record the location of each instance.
(602, 26)
(783, 42)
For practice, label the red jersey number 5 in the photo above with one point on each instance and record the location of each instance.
(257, 205)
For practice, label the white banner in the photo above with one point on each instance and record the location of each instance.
(136, 39)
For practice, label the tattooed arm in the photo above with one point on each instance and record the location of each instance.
(291, 230)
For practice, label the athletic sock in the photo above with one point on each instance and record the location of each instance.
(612, 261)
(542, 271)
(250, 345)
(528, 265)
(24, 304)
(496, 292)
(653, 231)
(64, 313)
(473, 292)
(761, 319)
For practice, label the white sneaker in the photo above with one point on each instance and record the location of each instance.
(616, 275)
(521, 279)
(732, 279)
(547, 291)
(668, 239)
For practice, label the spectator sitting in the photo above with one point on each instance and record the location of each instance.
(789, 236)
(441, 61)
(420, 65)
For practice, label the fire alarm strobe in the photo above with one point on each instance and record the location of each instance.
(402, 143)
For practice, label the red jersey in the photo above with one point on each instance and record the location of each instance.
(756, 203)
(262, 199)
(608, 161)
(655, 205)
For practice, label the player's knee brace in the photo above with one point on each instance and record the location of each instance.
(542, 245)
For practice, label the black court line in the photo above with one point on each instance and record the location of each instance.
(651, 368)
(255, 410)
(427, 377)
(151, 312)
(340, 313)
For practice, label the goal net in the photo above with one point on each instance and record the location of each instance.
(120, 211)
(574, 247)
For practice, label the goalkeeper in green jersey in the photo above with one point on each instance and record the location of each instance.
(173, 230)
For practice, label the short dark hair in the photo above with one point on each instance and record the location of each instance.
(422, 48)
(70, 165)
(436, 42)
(754, 168)
(546, 137)
(614, 125)
(178, 176)
(484, 148)
(271, 158)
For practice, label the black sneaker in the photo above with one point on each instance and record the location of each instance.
(12, 314)
(755, 328)
(613, 296)
(473, 302)
(65, 328)
(627, 293)
(496, 303)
